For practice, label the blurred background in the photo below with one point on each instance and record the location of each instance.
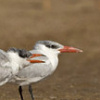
(70, 22)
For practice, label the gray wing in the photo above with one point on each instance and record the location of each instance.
(5, 73)
(36, 72)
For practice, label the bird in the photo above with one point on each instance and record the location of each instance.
(38, 71)
(12, 61)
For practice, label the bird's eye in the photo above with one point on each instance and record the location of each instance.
(53, 47)
(48, 46)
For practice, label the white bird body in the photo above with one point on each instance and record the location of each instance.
(7, 67)
(36, 72)
(10, 64)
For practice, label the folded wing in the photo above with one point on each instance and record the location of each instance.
(34, 72)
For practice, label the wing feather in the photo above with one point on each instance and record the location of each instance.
(34, 72)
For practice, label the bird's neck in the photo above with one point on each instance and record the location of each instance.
(14, 62)
(52, 57)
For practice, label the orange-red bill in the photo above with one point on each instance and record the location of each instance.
(36, 55)
(35, 61)
(67, 49)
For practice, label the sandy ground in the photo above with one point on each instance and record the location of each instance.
(75, 23)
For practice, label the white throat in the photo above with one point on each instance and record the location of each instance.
(53, 57)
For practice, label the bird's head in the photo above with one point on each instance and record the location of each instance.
(18, 55)
(54, 47)
(22, 56)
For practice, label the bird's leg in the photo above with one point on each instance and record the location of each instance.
(31, 92)
(20, 92)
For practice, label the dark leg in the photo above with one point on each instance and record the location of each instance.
(31, 93)
(20, 92)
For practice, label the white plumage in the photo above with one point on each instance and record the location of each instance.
(36, 72)
(10, 63)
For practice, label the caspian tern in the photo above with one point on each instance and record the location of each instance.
(36, 72)
(12, 61)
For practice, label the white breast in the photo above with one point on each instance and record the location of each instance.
(14, 62)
